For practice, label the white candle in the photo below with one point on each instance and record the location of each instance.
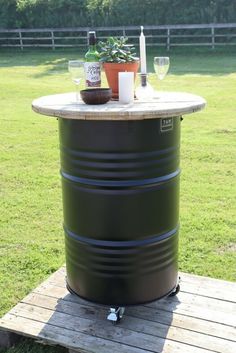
(126, 87)
(142, 45)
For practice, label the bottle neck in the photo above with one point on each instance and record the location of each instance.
(92, 47)
(92, 41)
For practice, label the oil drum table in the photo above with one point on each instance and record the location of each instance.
(120, 185)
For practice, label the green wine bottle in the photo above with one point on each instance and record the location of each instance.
(92, 65)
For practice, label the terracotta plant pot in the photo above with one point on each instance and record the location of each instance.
(112, 70)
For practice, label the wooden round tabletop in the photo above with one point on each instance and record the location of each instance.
(164, 104)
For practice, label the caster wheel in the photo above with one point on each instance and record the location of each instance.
(114, 323)
(118, 317)
(175, 291)
(115, 315)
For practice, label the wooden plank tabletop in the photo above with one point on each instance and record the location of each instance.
(200, 319)
(164, 104)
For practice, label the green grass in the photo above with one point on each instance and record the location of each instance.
(31, 242)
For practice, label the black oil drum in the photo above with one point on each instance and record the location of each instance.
(120, 182)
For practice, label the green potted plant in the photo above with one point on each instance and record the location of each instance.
(117, 56)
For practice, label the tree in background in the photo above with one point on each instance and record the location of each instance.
(158, 12)
(8, 13)
(52, 13)
(88, 13)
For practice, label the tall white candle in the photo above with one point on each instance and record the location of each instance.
(142, 46)
(126, 87)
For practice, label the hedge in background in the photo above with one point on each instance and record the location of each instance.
(75, 13)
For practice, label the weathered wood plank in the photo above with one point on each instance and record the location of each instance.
(188, 309)
(208, 281)
(210, 292)
(167, 104)
(195, 311)
(105, 330)
(183, 321)
(169, 330)
(192, 322)
(216, 292)
(184, 296)
(71, 339)
(80, 341)
(205, 302)
(193, 284)
(210, 287)
(161, 315)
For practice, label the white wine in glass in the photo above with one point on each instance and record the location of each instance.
(161, 66)
(76, 69)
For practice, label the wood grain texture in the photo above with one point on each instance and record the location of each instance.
(164, 104)
(190, 322)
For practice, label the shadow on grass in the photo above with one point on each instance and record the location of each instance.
(52, 62)
(56, 66)
(186, 61)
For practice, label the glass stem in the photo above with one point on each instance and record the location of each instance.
(77, 93)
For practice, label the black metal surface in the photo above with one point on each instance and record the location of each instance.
(120, 182)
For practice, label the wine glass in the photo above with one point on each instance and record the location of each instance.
(76, 69)
(161, 66)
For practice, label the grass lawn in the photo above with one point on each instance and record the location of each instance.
(31, 241)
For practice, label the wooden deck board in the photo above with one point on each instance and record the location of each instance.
(169, 304)
(192, 284)
(145, 313)
(201, 319)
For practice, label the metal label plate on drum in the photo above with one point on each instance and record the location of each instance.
(166, 124)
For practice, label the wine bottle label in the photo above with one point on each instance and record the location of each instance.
(92, 74)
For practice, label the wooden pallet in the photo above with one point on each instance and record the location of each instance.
(201, 318)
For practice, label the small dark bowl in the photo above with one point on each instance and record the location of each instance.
(96, 95)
